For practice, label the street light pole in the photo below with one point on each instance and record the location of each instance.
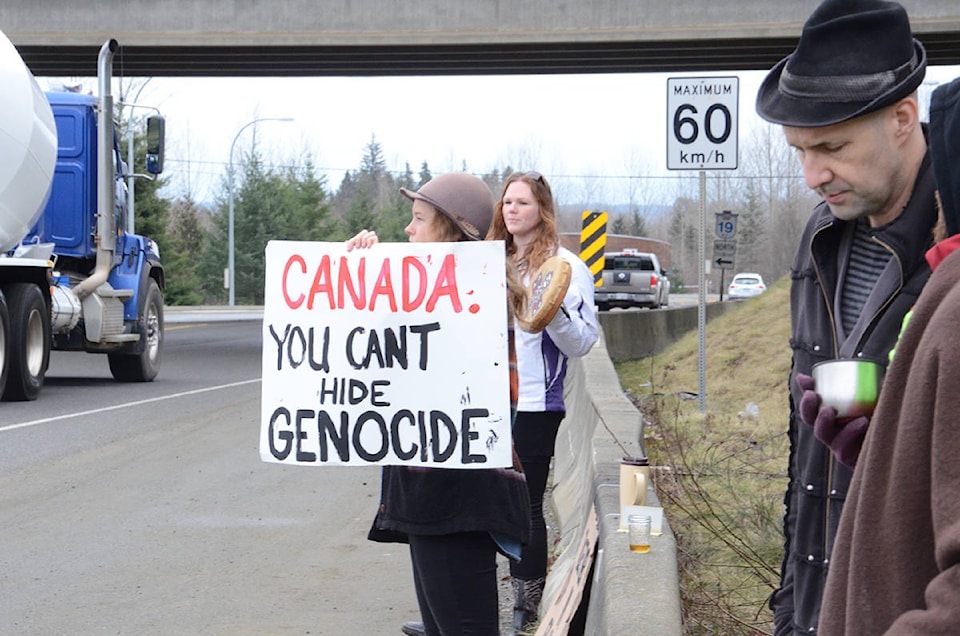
(230, 247)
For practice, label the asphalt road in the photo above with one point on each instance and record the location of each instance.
(145, 508)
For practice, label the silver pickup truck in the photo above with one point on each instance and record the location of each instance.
(632, 279)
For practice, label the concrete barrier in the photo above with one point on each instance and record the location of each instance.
(627, 593)
(633, 335)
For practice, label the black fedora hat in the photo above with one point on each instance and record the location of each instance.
(854, 57)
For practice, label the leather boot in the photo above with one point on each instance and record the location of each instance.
(526, 605)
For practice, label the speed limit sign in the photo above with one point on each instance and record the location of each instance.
(702, 123)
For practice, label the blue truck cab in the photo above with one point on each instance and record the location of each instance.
(70, 218)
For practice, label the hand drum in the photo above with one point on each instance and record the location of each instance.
(546, 292)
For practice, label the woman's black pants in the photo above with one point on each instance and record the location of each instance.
(534, 435)
(455, 576)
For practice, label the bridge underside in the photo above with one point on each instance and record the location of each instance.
(446, 59)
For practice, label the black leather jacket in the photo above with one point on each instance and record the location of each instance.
(818, 483)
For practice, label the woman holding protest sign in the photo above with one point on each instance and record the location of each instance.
(455, 520)
(525, 218)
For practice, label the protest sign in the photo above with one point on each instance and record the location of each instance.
(397, 354)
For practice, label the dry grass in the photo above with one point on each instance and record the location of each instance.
(721, 474)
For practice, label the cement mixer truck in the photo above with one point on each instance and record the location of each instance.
(71, 278)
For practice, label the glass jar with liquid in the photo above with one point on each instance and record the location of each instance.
(638, 530)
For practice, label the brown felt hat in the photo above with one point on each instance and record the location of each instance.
(464, 198)
(854, 57)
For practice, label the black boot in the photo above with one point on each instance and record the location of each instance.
(526, 604)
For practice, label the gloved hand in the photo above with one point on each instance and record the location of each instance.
(845, 437)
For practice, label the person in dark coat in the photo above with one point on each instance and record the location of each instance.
(455, 520)
(896, 561)
(846, 98)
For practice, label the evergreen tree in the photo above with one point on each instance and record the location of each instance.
(212, 261)
(638, 223)
(282, 205)
(495, 180)
(396, 215)
(343, 197)
(373, 163)
(150, 211)
(261, 210)
(361, 215)
(750, 234)
(683, 234)
(181, 267)
(407, 180)
(425, 175)
(619, 225)
(312, 218)
(378, 202)
(373, 176)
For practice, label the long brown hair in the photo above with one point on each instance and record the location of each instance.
(445, 230)
(517, 299)
(546, 241)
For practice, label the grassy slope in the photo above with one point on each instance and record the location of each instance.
(722, 473)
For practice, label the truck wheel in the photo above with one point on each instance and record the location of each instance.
(143, 366)
(28, 352)
(4, 341)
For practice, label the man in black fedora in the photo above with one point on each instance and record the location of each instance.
(846, 98)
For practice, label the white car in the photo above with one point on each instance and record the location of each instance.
(746, 285)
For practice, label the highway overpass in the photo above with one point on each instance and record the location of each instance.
(427, 37)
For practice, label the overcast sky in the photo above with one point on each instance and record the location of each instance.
(572, 128)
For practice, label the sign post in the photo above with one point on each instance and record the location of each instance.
(725, 249)
(724, 253)
(702, 134)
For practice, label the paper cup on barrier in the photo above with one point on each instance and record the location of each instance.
(850, 386)
(634, 479)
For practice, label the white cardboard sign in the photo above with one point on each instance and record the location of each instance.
(397, 354)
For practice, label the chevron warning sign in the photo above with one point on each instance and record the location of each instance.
(593, 239)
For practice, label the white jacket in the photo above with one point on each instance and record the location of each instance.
(542, 357)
